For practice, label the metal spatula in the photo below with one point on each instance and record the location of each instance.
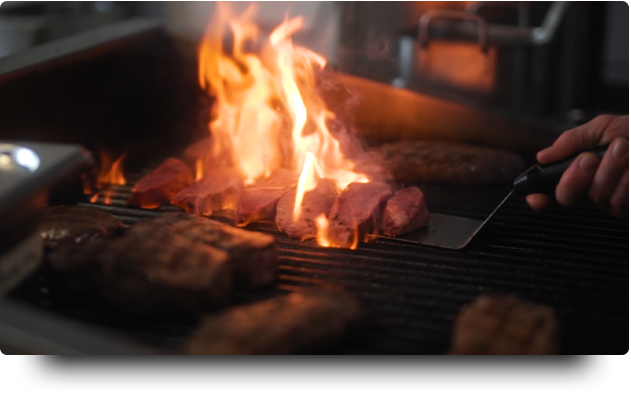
(455, 232)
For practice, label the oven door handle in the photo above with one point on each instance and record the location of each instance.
(433, 15)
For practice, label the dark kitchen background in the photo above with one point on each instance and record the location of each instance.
(122, 77)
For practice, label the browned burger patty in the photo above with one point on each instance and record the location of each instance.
(299, 322)
(504, 325)
(75, 224)
(164, 275)
(253, 259)
(449, 163)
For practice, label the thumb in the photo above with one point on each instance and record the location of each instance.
(575, 140)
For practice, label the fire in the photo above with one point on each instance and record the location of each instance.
(322, 225)
(270, 115)
(110, 172)
(199, 169)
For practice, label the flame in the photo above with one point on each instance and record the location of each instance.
(110, 172)
(199, 169)
(322, 226)
(269, 113)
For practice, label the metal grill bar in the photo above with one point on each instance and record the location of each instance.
(575, 260)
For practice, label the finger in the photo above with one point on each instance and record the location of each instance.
(620, 197)
(538, 202)
(581, 138)
(612, 166)
(576, 179)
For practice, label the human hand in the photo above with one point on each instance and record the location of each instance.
(606, 181)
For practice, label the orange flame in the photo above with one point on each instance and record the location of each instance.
(110, 172)
(270, 115)
(322, 226)
(199, 169)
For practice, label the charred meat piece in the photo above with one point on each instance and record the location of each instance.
(218, 189)
(75, 224)
(405, 211)
(314, 203)
(449, 163)
(159, 187)
(356, 212)
(504, 325)
(253, 259)
(258, 202)
(165, 275)
(299, 322)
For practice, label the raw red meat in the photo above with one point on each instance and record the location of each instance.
(160, 186)
(404, 212)
(315, 202)
(218, 189)
(356, 212)
(258, 202)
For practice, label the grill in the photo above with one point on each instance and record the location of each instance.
(574, 260)
(126, 84)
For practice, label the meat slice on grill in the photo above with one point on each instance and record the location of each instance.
(159, 187)
(356, 212)
(253, 259)
(305, 322)
(165, 275)
(405, 211)
(218, 189)
(75, 224)
(314, 203)
(504, 325)
(258, 202)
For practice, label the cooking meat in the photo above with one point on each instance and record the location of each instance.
(405, 211)
(314, 203)
(304, 322)
(165, 275)
(68, 224)
(253, 259)
(160, 186)
(448, 162)
(504, 325)
(356, 212)
(258, 202)
(218, 189)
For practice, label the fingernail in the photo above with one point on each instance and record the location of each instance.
(588, 163)
(620, 149)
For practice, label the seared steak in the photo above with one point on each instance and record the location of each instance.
(314, 203)
(449, 162)
(258, 202)
(160, 186)
(74, 224)
(253, 259)
(218, 189)
(356, 212)
(164, 275)
(300, 322)
(405, 211)
(504, 325)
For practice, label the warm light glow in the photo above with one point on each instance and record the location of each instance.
(270, 114)
(109, 173)
(199, 169)
(322, 226)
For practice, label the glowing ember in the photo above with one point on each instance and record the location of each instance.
(269, 113)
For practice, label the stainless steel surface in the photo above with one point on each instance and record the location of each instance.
(449, 232)
(504, 34)
(48, 163)
(33, 331)
(433, 15)
(19, 262)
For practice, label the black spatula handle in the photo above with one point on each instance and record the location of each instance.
(544, 178)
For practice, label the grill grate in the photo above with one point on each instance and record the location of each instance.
(574, 260)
